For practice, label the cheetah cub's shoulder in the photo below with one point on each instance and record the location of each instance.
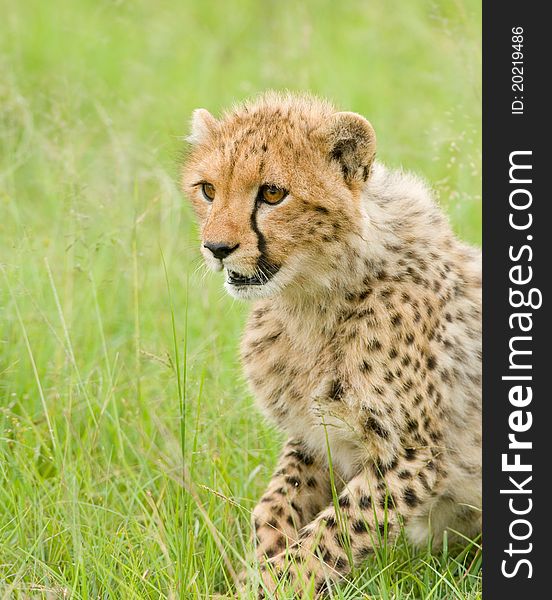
(365, 336)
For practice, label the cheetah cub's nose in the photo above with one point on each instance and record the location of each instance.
(220, 250)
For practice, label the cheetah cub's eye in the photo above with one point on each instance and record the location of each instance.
(208, 191)
(272, 194)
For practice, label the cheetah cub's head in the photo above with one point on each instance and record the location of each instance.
(275, 184)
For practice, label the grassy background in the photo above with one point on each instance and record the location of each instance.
(103, 396)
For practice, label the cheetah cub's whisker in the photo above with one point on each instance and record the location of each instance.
(365, 332)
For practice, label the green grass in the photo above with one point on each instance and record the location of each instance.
(130, 451)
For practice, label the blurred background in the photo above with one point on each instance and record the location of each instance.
(130, 451)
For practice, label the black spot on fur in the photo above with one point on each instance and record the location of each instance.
(412, 425)
(364, 294)
(373, 344)
(360, 526)
(366, 312)
(324, 553)
(330, 522)
(386, 502)
(372, 424)
(435, 436)
(302, 456)
(259, 313)
(344, 501)
(365, 502)
(340, 539)
(336, 390)
(410, 453)
(366, 367)
(380, 274)
(321, 587)
(410, 497)
(407, 385)
(341, 564)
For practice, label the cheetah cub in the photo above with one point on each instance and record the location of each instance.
(364, 341)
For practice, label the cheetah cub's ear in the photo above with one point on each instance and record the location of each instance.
(350, 140)
(203, 125)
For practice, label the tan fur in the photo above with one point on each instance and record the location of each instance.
(366, 339)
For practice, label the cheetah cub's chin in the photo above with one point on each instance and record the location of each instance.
(364, 341)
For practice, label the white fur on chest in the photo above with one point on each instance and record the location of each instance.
(329, 435)
(329, 438)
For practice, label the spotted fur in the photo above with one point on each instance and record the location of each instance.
(364, 340)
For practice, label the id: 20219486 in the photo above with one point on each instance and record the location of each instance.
(517, 70)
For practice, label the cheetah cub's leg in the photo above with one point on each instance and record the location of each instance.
(371, 507)
(298, 490)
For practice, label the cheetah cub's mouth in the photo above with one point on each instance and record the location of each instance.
(261, 277)
(235, 278)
